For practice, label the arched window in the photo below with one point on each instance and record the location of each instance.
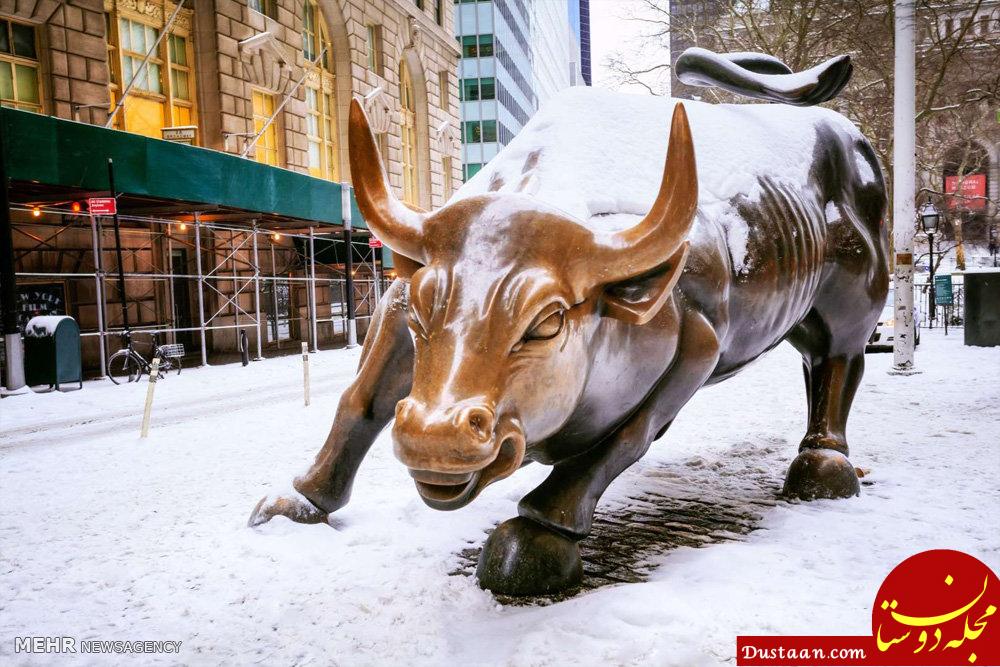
(408, 125)
(320, 87)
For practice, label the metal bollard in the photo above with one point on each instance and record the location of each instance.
(154, 371)
(244, 347)
(305, 371)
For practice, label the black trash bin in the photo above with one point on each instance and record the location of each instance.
(982, 307)
(52, 352)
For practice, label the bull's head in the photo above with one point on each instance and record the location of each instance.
(506, 297)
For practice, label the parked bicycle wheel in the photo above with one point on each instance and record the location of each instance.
(169, 364)
(123, 367)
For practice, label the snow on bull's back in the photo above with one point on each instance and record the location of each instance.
(595, 153)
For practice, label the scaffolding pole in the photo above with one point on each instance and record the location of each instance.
(99, 296)
(170, 280)
(274, 298)
(13, 348)
(201, 288)
(236, 287)
(256, 291)
(352, 325)
(312, 290)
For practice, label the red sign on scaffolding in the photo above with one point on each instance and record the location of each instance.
(374, 242)
(102, 205)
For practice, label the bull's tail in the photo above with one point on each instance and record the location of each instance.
(764, 77)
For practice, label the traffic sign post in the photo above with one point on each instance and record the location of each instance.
(943, 296)
(102, 205)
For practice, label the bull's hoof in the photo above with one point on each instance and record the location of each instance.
(294, 506)
(523, 557)
(821, 473)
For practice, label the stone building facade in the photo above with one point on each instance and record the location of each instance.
(225, 67)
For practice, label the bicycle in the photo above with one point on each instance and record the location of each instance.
(128, 365)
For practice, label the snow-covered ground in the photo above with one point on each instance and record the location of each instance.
(105, 536)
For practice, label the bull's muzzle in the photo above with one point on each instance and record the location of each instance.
(454, 453)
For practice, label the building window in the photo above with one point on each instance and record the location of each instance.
(180, 80)
(419, 4)
(315, 42)
(321, 131)
(472, 132)
(409, 135)
(265, 7)
(444, 89)
(470, 170)
(478, 89)
(469, 90)
(439, 12)
(136, 40)
(470, 48)
(475, 131)
(485, 45)
(19, 67)
(163, 93)
(266, 150)
(320, 87)
(489, 130)
(477, 45)
(487, 89)
(375, 49)
(446, 169)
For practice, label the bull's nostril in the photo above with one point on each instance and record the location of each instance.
(480, 421)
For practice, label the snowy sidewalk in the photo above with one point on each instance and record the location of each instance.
(108, 537)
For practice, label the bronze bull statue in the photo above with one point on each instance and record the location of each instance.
(570, 299)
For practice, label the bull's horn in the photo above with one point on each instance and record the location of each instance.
(636, 250)
(393, 222)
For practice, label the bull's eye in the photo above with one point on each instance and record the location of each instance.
(548, 327)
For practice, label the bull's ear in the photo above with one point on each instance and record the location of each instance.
(638, 300)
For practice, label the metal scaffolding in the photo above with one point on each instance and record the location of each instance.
(231, 289)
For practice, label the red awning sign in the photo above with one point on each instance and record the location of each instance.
(102, 205)
(973, 191)
(374, 242)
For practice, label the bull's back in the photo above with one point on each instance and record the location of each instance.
(793, 248)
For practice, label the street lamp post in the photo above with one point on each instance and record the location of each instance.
(930, 217)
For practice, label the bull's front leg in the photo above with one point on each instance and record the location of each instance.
(384, 377)
(538, 552)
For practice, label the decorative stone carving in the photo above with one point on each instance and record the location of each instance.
(152, 11)
(445, 138)
(414, 37)
(265, 63)
(379, 106)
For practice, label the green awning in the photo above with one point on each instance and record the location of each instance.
(56, 152)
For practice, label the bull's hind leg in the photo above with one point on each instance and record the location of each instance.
(383, 379)
(537, 552)
(833, 368)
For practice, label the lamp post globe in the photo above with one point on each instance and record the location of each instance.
(930, 217)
